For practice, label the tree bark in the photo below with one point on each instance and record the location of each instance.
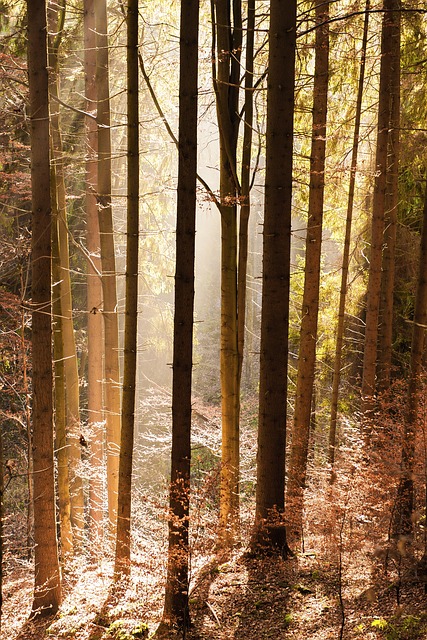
(346, 251)
(378, 212)
(176, 611)
(226, 69)
(56, 15)
(122, 562)
(403, 521)
(310, 302)
(95, 337)
(269, 525)
(391, 205)
(47, 583)
(62, 451)
(108, 261)
(245, 205)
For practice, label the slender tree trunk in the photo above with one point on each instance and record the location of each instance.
(95, 337)
(108, 261)
(62, 450)
(30, 475)
(391, 204)
(310, 303)
(346, 252)
(122, 564)
(377, 237)
(245, 205)
(226, 69)
(403, 521)
(176, 611)
(47, 584)
(270, 528)
(69, 354)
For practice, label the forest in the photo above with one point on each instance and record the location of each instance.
(213, 307)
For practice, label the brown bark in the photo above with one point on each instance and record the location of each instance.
(62, 451)
(226, 68)
(378, 213)
(403, 520)
(245, 205)
(122, 561)
(270, 529)
(176, 610)
(47, 583)
(56, 16)
(310, 302)
(346, 251)
(108, 261)
(391, 205)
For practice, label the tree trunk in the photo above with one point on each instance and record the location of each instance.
(176, 611)
(122, 563)
(108, 261)
(62, 451)
(270, 529)
(245, 205)
(346, 252)
(47, 583)
(310, 303)
(377, 237)
(391, 204)
(95, 337)
(70, 368)
(226, 85)
(403, 520)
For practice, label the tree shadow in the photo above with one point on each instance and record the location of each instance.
(240, 598)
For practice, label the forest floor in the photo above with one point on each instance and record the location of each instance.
(346, 582)
(313, 595)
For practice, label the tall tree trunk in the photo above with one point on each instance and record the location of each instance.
(122, 564)
(403, 521)
(62, 450)
(245, 205)
(95, 337)
(108, 261)
(47, 583)
(391, 204)
(177, 585)
(226, 69)
(346, 252)
(270, 528)
(310, 302)
(377, 236)
(56, 14)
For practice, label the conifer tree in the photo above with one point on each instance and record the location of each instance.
(269, 518)
(47, 585)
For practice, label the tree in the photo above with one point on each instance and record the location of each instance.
(65, 329)
(385, 338)
(310, 302)
(122, 563)
(95, 338)
(108, 262)
(378, 216)
(339, 340)
(403, 520)
(269, 516)
(47, 585)
(227, 44)
(245, 205)
(176, 611)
